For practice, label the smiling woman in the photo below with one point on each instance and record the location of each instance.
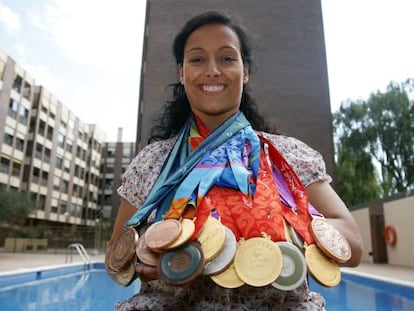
(213, 73)
(214, 161)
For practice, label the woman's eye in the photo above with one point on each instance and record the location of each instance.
(228, 59)
(196, 60)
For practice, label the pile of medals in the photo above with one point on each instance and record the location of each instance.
(257, 261)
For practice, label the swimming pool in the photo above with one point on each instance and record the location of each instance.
(89, 288)
(356, 293)
(77, 287)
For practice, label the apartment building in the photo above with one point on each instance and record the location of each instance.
(47, 150)
(116, 156)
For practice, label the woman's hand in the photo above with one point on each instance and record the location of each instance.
(327, 202)
(146, 273)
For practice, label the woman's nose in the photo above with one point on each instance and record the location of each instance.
(212, 69)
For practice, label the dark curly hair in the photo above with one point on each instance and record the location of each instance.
(177, 109)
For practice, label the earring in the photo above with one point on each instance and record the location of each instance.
(181, 80)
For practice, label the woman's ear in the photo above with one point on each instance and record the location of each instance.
(245, 74)
(180, 73)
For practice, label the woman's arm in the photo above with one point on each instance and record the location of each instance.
(125, 212)
(327, 201)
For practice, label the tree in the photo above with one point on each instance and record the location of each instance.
(374, 144)
(15, 206)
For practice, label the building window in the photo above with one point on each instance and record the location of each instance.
(23, 115)
(45, 177)
(47, 155)
(49, 134)
(59, 162)
(17, 83)
(71, 125)
(36, 175)
(63, 207)
(13, 108)
(27, 90)
(65, 186)
(19, 143)
(56, 183)
(4, 165)
(42, 202)
(38, 152)
(8, 139)
(42, 127)
(66, 165)
(69, 146)
(61, 140)
(16, 167)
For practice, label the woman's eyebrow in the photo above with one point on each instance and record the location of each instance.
(224, 47)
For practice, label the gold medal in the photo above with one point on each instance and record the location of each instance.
(187, 231)
(162, 234)
(228, 278)
(121, 253)
(323, 269)
(258, 261)
(212, 238)
(226, 256)
(330, 240)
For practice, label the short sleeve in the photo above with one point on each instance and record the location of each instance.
(308, 163)
(143, 170)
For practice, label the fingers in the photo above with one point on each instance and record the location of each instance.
(146, 273)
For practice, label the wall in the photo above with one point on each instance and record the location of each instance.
(398, 213)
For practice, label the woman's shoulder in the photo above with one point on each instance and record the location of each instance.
(306, 161)
(152, 156)
(287, 143)
(164, 145)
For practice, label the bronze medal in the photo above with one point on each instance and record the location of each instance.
(323, 269)
(123, 250)
(330, 240)
(146, 255)
(126, 276)
(258, 261)
(181, 265)
(187, 231)
(212, 238)
(162, 234)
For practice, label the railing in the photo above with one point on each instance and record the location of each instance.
(81, 251)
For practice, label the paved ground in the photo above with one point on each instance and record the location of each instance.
(18, 262)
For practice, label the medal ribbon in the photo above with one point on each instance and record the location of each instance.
(300, 220)
(178, 165)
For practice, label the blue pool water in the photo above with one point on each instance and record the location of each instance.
(356, 293)
(70, 288)
(76, 288)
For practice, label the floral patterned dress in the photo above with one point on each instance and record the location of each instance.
(203, 293)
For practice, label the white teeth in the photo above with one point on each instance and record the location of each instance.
(213, 88)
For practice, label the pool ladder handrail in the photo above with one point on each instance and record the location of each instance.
(81, 251)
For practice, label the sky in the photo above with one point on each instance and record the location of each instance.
(87, 53)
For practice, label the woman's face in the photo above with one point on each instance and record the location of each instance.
(213, 73)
